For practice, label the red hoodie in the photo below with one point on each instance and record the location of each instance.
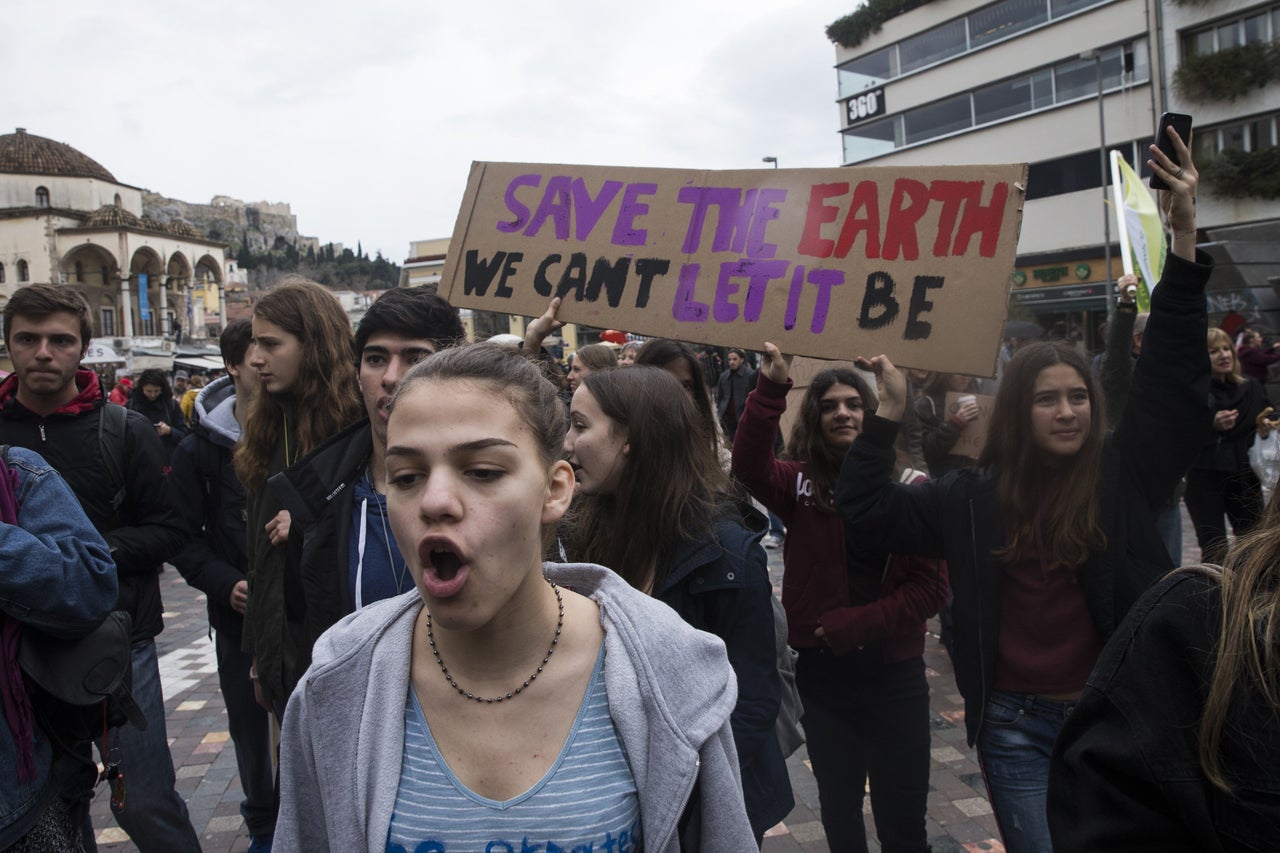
(816, 582)
(86, 381)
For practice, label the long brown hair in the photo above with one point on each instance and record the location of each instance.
(1070, 520)
(807, 444)
(1247, 653)
(325, 394)
(672, 487)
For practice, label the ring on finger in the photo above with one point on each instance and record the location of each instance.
(1178, 174)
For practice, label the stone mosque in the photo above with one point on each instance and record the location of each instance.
(66, 220)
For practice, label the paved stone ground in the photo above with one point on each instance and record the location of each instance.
(959, 817)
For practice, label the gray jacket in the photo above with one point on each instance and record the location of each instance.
(670, 694)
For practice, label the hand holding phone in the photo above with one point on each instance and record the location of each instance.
(1180, 122)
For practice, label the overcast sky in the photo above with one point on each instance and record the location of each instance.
(365, 116)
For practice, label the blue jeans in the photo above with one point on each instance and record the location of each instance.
(154, 815)
(1014, 746)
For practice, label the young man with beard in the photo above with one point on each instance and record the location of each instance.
(51, 406)
(211, 500)
(336, 495)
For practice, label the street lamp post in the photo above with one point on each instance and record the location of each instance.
(1104, 171)
(773, 160)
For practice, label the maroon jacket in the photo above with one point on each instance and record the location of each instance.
(817, 586)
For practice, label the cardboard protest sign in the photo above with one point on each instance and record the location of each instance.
(974, 436)
(910, 261)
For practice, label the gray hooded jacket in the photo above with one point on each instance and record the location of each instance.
(670, 688)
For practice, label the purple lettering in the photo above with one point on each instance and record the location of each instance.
(625, 232)
(825, 280)
(697, 196)
(686, 309)
(518, 209)
(760, 274)
(556, 205)
(735, 218)
(765, 213)
(793, 297)
(588, 210)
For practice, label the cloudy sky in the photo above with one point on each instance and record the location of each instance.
(365, 116)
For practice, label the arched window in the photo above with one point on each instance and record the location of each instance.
(42, 196)
(1, 273)
(117, 201)
(24, 272)
(79, 273)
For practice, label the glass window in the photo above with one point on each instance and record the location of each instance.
(1255, 29)
(1233, 137)
(108, 322)
(1198, 44)
(1138, 58)
(872, 139)
(42, 197)
(937, 119)
(1230, 35)
(1068, 174)
(1260, 134)
(1004, 19)
(24, 271)
(1, 273)
(865, 72)
(932, 45)
(1002, 100)
(1204, 145)
(1075, 79)
(1058, 8)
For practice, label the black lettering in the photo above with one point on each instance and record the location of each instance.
(648, 268)
(612, 277)
(917, 329)
(480, 272)
(879, 293)
(574, 277)
(542, 284)
(508, 270)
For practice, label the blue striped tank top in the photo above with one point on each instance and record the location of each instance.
(585, 803)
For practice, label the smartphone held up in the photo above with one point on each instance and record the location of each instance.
(1180, 122)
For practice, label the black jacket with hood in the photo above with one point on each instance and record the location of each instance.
(211, 502)
(145, 532)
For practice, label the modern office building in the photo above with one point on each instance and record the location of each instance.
(1051, 83)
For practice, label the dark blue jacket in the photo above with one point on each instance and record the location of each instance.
(721, 585)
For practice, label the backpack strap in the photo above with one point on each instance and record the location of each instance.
(111, 428)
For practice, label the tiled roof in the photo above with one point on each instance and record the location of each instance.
(183, 229)
(26, 154)
(110, 216)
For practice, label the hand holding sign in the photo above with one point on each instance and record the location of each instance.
(890, 383)
(775, 365)
(540, 328)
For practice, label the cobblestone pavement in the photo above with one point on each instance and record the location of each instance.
(959, 818)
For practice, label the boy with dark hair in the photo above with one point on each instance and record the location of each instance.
(335, 495)
(211, 501)
(114, 463)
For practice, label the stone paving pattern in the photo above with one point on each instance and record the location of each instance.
(959, 817)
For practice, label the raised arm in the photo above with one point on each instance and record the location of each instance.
(1167, 418)
(754, 463)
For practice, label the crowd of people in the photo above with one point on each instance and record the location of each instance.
(494, 604)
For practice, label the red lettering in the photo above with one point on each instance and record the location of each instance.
(866, 197)
(812, 242)
(909, 203)
(982, 220)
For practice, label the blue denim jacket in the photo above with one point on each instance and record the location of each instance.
(56, 574)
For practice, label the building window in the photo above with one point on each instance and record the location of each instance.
(79, 273)
(24, 272)
(108, 322)
(1253, 27)
(1, 273)
(118, 201)
(980, 28)
(1040, 89)
(42, 197)
(1250, 135)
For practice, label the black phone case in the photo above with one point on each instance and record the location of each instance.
(1182, 123)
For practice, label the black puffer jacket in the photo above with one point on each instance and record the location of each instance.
(146, 531)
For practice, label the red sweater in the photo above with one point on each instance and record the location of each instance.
(816, 582)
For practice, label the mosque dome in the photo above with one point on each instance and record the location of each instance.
(23, 153)
(110, 216)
